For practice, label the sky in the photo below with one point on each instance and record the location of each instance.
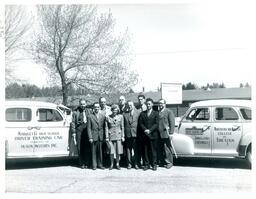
(192, 41)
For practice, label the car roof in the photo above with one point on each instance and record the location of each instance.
(29, 103)
(220, 102)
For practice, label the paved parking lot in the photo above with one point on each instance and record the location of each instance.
(187, 176)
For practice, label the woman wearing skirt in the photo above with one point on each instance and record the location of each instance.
(115, 135)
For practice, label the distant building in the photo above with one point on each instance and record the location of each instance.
(188, 97)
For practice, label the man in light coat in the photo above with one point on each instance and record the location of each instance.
(123, 105)
(104, 108)
(166, 127)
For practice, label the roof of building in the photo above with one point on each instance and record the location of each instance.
(218, 93)
(201, 94)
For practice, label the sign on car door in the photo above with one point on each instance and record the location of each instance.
(197, 125)
(227, 131)
(52, 133)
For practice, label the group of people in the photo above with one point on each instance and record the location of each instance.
(139, 136)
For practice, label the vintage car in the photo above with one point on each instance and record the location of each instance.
(36, 129)
(218, 128)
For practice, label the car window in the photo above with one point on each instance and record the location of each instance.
(198, 114)
(48, 115)
(225, 113)
(246, 113)
(18, 115)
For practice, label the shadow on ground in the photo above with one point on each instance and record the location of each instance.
(184, 162)
(39, 163)
(229, 163)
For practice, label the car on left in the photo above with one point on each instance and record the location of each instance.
(36, 129)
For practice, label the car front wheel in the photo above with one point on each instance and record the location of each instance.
(249, 158)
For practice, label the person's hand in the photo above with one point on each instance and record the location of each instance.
(147, 131)
(107, 139)
(90, 140)
(122, 139)
(167, 129)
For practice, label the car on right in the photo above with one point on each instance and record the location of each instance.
(218, 128)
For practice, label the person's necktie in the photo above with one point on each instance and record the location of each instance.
(84, 117)
(148, 113)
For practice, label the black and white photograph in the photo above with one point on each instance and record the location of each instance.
(127, 97)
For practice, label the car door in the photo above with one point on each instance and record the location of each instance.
(197, 125)
(227, 131)
(52, 133)
(19, 132)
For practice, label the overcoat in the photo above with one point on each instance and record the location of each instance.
(95, 126)
(78, 119)
(166, 123)
(131, 123)
(114, 127)
(149, 122)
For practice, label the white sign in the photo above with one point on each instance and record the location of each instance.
(172, 93)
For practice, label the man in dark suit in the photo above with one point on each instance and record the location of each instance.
(130, 131)
(140, 107)
(79, 133)
(148, 122)
(95, 129)
(166, 128)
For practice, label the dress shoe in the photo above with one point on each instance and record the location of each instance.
(168, 166)
(111, 167)
(146, 168)
(136, 166)
(118, 167)
(154, 168)
(94, 168)
(83, 167)
(129, 166)
(102, 167)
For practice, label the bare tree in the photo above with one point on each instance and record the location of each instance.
(17, 23)
(80, 48)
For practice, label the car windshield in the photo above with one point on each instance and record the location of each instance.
(246, 113)
(198, 114)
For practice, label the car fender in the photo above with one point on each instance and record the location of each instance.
(182, 144)
(246, 140)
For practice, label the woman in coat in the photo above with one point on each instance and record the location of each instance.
(115, 135)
